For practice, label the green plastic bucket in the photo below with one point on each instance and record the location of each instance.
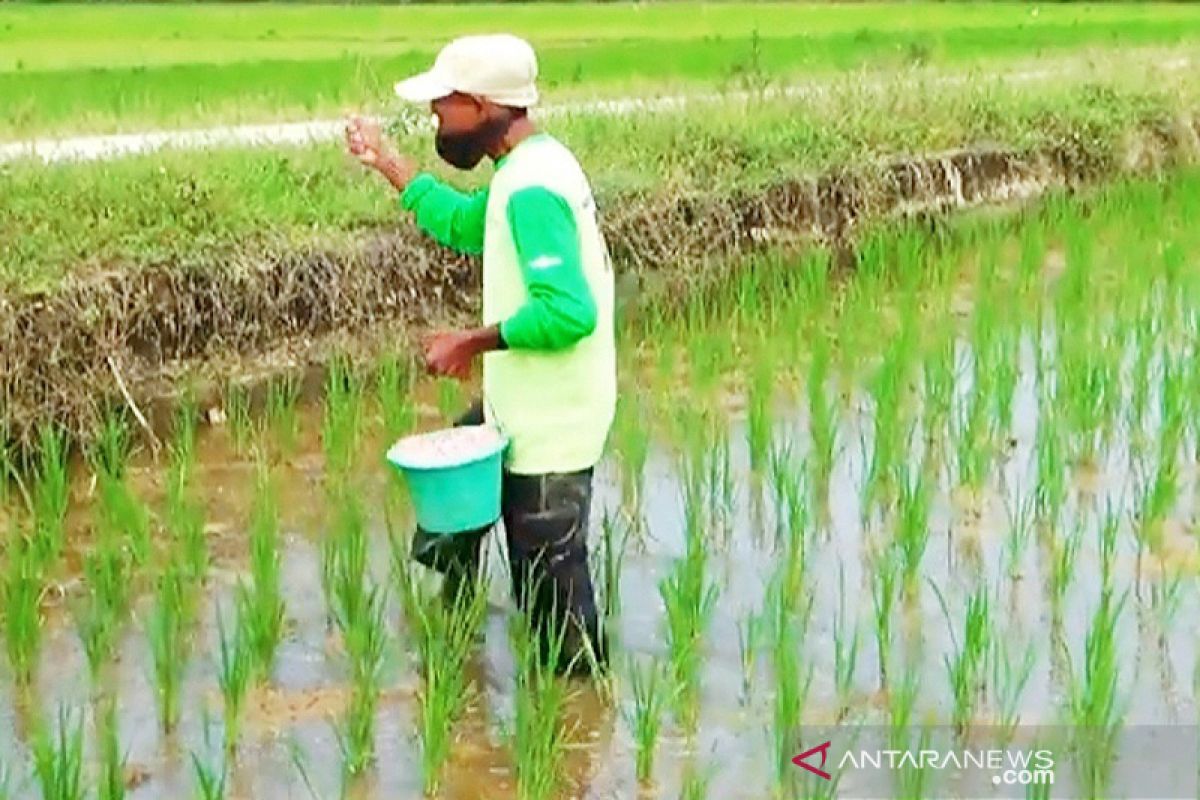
(453, 476)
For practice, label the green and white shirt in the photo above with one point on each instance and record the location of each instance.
(548, 284)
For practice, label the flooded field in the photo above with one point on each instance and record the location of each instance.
(949, 497)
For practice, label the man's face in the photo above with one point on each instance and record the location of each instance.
(467, 128)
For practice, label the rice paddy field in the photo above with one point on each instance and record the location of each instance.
(950, 493)
(926, 484)
(88, 68)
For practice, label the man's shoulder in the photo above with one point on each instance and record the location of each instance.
(546, 163)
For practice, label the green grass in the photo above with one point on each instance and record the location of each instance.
(82, 67)
(232, 207)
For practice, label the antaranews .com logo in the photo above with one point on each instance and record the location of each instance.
(1129, 761)
(1011, 767)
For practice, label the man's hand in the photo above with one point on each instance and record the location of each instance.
(366, 142)
(450, 353)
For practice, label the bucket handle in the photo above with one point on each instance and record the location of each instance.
(495, 419)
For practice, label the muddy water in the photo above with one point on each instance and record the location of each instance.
(289, 746)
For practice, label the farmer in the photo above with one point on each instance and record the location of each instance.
(549, 366)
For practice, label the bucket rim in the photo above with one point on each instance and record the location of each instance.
(501, 445)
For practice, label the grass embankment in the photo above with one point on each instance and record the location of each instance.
(87, 68)
(203, 211)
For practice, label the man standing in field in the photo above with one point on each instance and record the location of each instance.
(549, 365)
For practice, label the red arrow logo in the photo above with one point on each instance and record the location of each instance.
(823, 749)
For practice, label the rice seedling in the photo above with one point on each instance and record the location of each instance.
(939, 379)
(342, 422)
(971, 434)
(1110, 527)
(902, 698)
(1165, 599)
(22, 596)
(395, 379)
(612, 552)
(1051, 491)
(50, 496)
(444, 637)
(211, 781)
(887, 393)
(883, 595)
(58, 759)
(695, 783)
(1094, 708)
(282, 420)
(537, 737)
(913, 778)
(689, 597)
(1020, 514)
(912, 532)
(101, 614)
(1139, 375)
(644, 718)
(296, 755)
(750, 631)
(792, 685)
(237, 414)
(182, 466)
(845, 649)
(822, 415)
(1064, 554)
(366, 639)
(631, 437)
(109, 453)
(184, 520)
(344, 561)
(260, 605)
(966, 667)
(1032, 257)
(168, 644)
(235, 669)
(1010, 675)
(358, 610)
(122, 513)
(111, 784)
(758, 423)
(1005, 371)
(1038, 790)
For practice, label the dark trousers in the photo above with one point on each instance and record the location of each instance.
(545, 523)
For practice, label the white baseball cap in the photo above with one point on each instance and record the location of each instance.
(499, 67)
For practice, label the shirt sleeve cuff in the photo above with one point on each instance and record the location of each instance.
(417, 188)
(506, 334)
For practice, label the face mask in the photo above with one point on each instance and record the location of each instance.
(465, 149)
(461, 149)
